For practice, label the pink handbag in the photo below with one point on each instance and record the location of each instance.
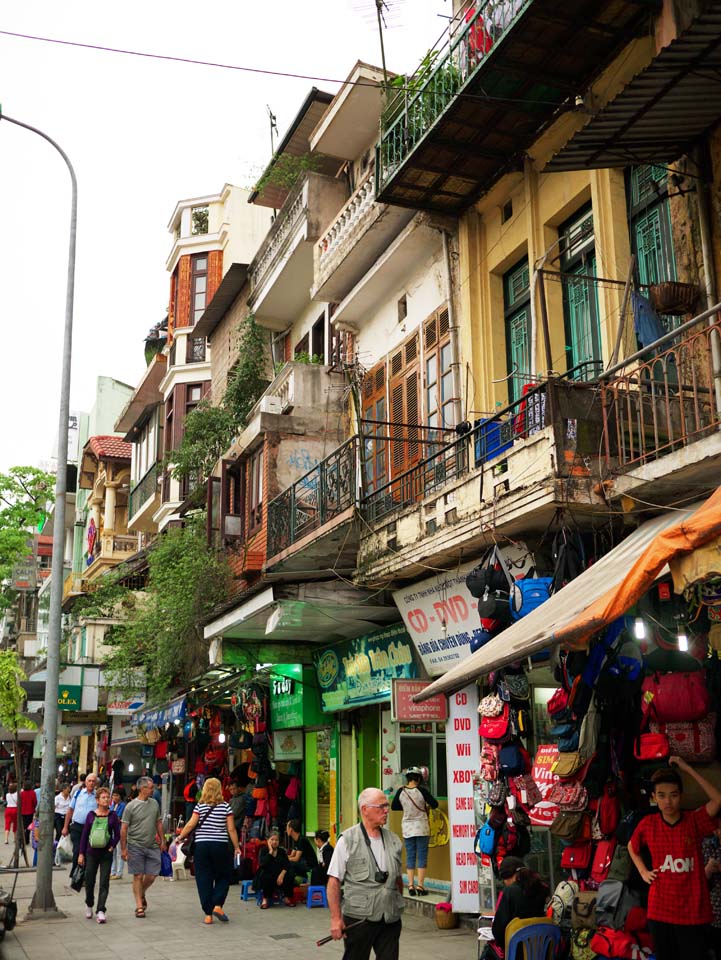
(677, 697)
(694, 742)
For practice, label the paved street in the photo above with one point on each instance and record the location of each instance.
(173, 929)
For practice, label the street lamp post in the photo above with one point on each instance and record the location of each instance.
(43, 901)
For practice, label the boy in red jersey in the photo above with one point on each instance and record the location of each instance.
(679, 905)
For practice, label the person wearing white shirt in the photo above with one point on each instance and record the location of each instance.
(11, 810)
(62, 805)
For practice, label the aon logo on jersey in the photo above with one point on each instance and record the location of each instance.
(679, 865)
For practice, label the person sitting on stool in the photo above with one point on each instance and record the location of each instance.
(274, 873)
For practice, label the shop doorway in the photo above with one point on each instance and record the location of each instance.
(348, 793)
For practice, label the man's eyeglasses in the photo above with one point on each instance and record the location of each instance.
(379, 806)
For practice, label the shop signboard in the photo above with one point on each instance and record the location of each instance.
(544, 813)
(441, 615)
(463, 760)
(404, 710)
(70, 696)
(119, 706)
(122, 731)
(360, 671)
(288, 745)
(294, 697)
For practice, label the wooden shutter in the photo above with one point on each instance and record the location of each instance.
(404, 406)
(375, 445)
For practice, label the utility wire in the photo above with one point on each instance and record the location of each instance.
(261, 70)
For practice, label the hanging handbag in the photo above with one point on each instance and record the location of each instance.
(694, 741)
(570, 826)
(518, 685)
(651, 746)
(489, 761)
(525, 789)
(577, 856)
(571, 797)
(677, 697)
(497, 728)
(558, 703)
(567, 764)
(602, 860)
(583, 912)
(491, 706)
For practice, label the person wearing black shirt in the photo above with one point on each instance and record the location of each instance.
(319, 873)
(524, 895)
(300, 853)
(274, 873)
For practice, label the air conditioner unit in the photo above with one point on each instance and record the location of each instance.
(270, 405)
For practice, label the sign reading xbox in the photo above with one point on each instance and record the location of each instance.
(70, 696)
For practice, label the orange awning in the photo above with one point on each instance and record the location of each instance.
(588, 604)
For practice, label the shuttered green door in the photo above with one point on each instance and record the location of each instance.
(582, 319)
(518, 328)
(651, 230)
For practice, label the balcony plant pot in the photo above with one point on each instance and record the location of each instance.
(673, 297)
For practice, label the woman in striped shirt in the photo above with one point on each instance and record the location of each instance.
(213, 823)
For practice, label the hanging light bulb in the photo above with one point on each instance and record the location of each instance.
(639, 629)
(60, 768)
(682, 642)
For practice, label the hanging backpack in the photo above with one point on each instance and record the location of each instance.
(583, 913)
(529, 593)
(609, 810)
(99, 837)
(511, 760)
(561, 904)
(491, 574)
(489, 761)
(486, 841)
(497, 729)
(602, 859)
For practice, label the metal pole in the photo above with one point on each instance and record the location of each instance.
(43, 902)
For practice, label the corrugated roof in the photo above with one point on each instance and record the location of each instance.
(662, 111)
(113, 448)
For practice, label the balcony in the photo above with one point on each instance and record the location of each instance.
(485, 91)
(282, 272)
(355, 239)
(311, 524)
(510, 473)
(143, 500)
(662, 413)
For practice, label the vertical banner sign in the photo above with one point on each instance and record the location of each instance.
(463, 757)
(544, 813)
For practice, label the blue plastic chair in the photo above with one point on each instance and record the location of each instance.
(246, 888)
(537, 941)
(316, 897)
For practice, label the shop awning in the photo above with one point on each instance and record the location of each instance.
(597, 597)
(159, 716)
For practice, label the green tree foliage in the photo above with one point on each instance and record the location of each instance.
(25, 496)
(209, 430)
(285, 171)
(12, 698)
(161, 629)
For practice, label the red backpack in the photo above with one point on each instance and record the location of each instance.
(602, 860)
(609, 810)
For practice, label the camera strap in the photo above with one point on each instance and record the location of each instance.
(370, 848)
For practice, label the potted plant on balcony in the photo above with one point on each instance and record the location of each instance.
(674, 297)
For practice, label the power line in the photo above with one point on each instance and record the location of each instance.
(262, 70)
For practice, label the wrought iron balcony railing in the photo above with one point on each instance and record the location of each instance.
(666, 396)
(316, 498)
(443, 73)
(144, 490)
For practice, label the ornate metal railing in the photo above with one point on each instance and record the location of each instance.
(144, 490)
(317, 497)
(660, 400)
(442, 463)
(443, 73)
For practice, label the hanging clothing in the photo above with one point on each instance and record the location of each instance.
(645, 320)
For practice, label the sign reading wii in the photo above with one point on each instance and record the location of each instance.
(463, 760)
(441, 616)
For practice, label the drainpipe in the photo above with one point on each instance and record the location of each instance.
(704, 222)
(453, 331)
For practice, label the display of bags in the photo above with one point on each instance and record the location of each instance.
(613, 902)
(496, 793)
(526, 790)
(694, 742)
(518, 685)
(581, 945)
(577, 856)
(583, 914)
(590, 729)
(511, 760)
(621, 863)
(558, 703)
(616, 943)
(651, 746)
(571, 797)
(491, 706)
(608, 812)
(489, 761)
(485, 842)
(677, 697)
(561, 904)
(569, 743)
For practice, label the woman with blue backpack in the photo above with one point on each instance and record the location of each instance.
(100, 837)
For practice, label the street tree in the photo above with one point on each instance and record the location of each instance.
(25, 497)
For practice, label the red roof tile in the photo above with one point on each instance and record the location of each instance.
(112, 447)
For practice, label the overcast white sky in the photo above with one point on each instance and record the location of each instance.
(142, 134)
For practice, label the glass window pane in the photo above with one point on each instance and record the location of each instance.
(201, 264)
(201, 284)
(431, 369)
(446, 357)
(431, 402)
(446, 387)
(433, 420)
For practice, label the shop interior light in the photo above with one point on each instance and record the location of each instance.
(682, 642)
(262, 666)
(60, 768)
(639, 629)
(221, 738)
(177, 723)
(131, 767)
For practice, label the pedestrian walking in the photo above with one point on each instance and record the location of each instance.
(117, 805)
(81, 805)
(11, 810)
(28, 804)
(141, 842)
(62, 805)
(101, 835)
(367, 861)
(213, 823)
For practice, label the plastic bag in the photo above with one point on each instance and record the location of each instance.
(166, 864)
(64, 852)
(77, 877)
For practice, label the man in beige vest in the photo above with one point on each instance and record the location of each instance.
(367, 861)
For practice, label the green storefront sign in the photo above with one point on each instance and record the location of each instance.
(70, 696)
(294, 701)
